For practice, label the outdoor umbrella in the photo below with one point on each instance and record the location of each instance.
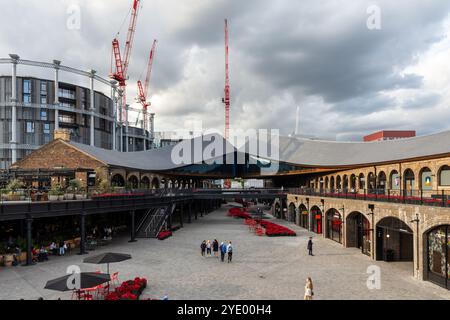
(87, 280)
(107, 257)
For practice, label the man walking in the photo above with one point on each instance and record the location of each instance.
(223, 250)
(230, 252)
(216, 248)
(310, 246)
(203, 247)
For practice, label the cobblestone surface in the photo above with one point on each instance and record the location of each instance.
(262, 268)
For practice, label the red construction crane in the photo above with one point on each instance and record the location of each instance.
(120, 73)
(143, 90)
(226, 99)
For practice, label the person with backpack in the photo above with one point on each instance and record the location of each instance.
(230, 252)
(223, 250)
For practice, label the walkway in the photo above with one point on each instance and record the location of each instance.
(263, 268)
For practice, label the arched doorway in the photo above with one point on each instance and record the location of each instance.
(353, 183)
(155, 183)
(444, 176)
(361, 182)
(118, 181)
(327, 181)
(304, 216)
(358, 232)
(345, 186)
(426, 179)
(133, 182)
(338, 183)
(381, 182)
(394, 240)
(371, 182)
(145, 182)
(291, 213)
(316, 218)
(408, 182)
(334, 225)
(332, 184)
(277, 210)
(437, 248)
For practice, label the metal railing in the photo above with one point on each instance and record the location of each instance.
(438, 198)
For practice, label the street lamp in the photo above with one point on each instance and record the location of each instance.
(417, 220)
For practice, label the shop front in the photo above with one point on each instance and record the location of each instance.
(304, 217)
(334, 225)
(316, 216)
(438, 256)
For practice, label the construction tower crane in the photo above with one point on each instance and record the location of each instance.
(143, 90)
(226, 99)
(121, 66)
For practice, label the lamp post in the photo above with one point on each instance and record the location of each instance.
(417, 220)
(372, 229)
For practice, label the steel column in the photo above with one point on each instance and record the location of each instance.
(83, 233)
(92, 109)
(133, 226)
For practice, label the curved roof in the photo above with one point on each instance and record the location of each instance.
(166, 158)
(317, 153)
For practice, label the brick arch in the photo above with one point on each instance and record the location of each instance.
(361, 181)
(420, 179)
(291, 212)
(440, 176)
(358, 231)
(145, 182)
(117, 180)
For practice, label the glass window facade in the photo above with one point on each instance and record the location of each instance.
(44, 115)
(46, 128)
(30, 127)
(66, 93)
(334, 226)
(438, 255)
(26, 89)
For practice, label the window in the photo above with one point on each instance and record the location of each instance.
(30, 127)
(67, 105)
(46, 128)
(43, 99)
(26, 86)
(43, 88)
(130, 141)
(44, 115)
(66, 118)
(66, 93)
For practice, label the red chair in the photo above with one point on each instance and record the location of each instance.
(115, 279)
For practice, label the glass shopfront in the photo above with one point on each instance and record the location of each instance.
(316, 216)
(304, 217)
(438, 254)
(334, 226)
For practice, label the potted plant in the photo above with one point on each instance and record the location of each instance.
(13, 186)
(72, 189)
(55, 192)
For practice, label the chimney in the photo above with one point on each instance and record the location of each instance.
(63, 134)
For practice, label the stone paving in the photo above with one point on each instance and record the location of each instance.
(262, 268)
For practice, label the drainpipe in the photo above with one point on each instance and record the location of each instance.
(14, 60)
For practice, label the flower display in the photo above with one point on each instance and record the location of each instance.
(164, 234)
(128, 290)
(271, 229)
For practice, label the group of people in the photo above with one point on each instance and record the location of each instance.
(207, 248)
(59, 249)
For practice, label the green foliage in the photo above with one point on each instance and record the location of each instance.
(104, 186)
(14, 185)
(56, 190)
(74, 185)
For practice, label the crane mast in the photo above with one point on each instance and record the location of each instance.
(226, 99)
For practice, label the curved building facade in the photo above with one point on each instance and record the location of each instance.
(31, 108)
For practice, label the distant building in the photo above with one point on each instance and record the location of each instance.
(389, 135)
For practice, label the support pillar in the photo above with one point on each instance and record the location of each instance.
(195, 210)
(92, 109)
(181, 214)
(14, 108)
(83, 233)
(133, 226)
(56, 93)
(189, 212)
(121, 119)
(126, 128)
(114, 101)
(29, 261)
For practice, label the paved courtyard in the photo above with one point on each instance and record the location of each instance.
(262, 268)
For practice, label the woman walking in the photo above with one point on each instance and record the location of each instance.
(309, 289)
(203, 247)
(208, 247)
(216, 248)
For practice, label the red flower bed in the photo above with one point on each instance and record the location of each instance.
(128, 290)
(238, 213)
(164, 234)
(275, 230)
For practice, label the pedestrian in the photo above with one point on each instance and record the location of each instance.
(208, 247)
(223, 250)
(216, 248)
(203, 247)
(61, 248)
(310, 247)
(308, 289)
(230, 252)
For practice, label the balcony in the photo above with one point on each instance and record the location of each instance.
(436, 198)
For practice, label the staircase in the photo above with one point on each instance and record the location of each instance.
(153, 221)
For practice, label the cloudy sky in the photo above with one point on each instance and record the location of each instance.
(320, 55)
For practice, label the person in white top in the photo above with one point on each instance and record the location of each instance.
(308, 289)
(208, 247)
